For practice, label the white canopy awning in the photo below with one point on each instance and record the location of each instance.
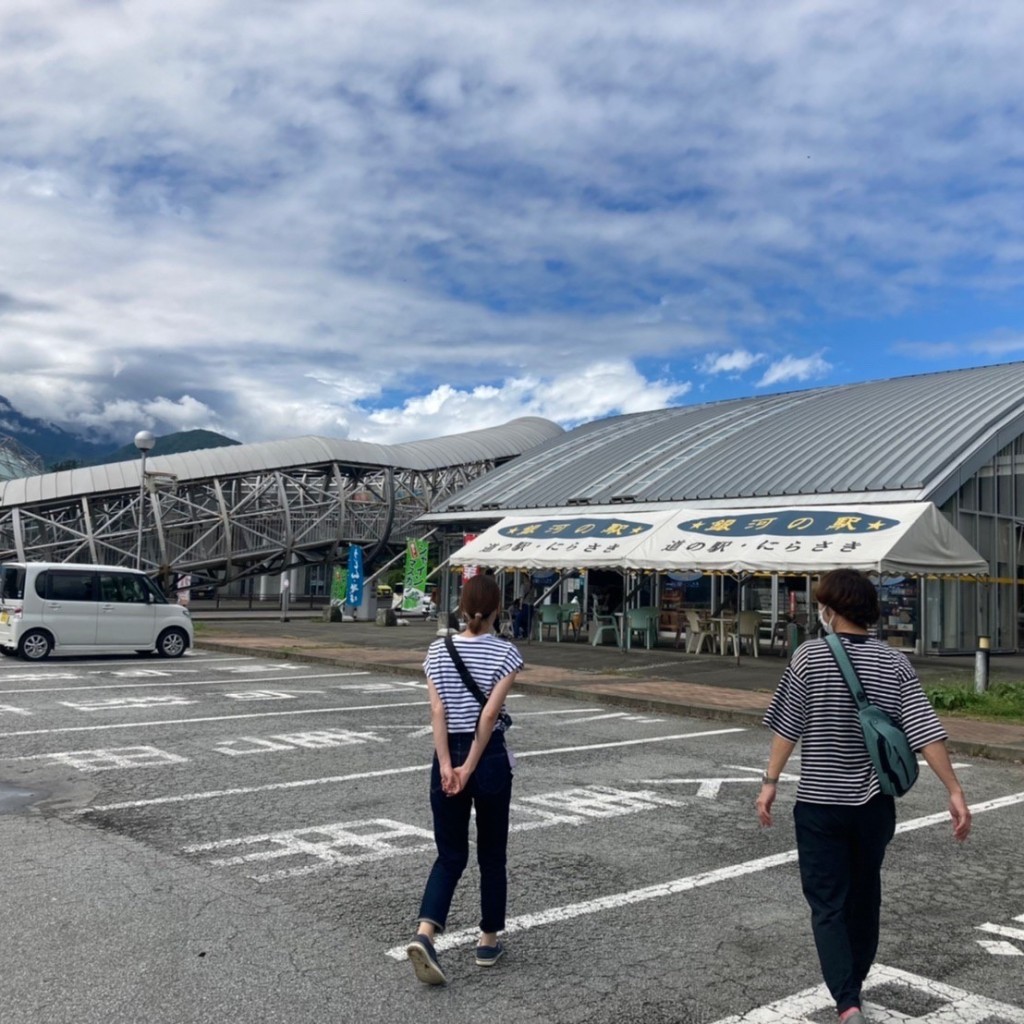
(560, 541)
(910, 538)
(907, 539)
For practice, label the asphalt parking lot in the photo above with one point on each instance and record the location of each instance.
(230, 838)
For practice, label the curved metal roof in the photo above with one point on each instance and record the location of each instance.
(907, 437)
(492, 443)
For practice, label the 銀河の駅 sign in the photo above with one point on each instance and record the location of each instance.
(912, 538)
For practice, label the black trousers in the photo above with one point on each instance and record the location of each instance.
(489, 794)
(841, 850)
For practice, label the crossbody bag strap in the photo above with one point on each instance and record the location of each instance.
(467, 679)
(846, 667)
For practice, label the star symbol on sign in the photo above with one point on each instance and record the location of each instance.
(876, 525)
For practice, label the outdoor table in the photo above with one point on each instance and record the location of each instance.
(724, 624)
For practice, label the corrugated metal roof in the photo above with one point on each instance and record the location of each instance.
(493, 443)
(905, 434)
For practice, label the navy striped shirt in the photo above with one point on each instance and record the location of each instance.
(488, 658)
(813, 705)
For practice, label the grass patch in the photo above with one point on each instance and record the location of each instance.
(1002, 702)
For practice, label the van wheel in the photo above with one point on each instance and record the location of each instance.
(35, 645)
(8, 652)
(172, 643)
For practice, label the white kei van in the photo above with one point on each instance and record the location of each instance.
(86, 609)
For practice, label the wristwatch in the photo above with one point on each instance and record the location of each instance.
(767, 780)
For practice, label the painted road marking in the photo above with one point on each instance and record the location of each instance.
(323, 739)
(127, 703)
(211, 718)
(622, 716)
(998, 947)
(101, 760)
(330, 845)
(709, 788)
(616, 901)
(948, 1005)
(146, 673)
(190, 682)
(337, 844)
(383, 687)
(268, 694)
(10, 709)
(623, 743)
(355, 776)
(259, 669)
(24, 677)
(999, 929)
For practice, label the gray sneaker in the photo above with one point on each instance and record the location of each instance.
(855, 1018)
(424, 961)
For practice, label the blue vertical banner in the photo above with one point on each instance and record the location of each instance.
(355, 576)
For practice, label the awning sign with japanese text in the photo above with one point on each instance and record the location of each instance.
(559, 541)
(910, 538)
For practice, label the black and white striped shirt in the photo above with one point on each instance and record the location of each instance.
(488, 658)
(813, 705)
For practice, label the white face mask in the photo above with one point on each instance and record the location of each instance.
(826, 624)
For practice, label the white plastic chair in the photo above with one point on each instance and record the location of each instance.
(747, 627)
(602, 624)
(697, 635)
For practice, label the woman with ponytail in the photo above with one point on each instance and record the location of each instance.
(472, 768)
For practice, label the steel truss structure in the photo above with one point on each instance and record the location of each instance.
(234, 525)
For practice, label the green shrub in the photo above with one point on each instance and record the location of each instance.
(1001, 700)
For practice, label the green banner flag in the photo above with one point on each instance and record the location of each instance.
(339, 585)
(415, 584)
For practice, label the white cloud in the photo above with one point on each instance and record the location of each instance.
(737, 361)
(568, 398)
(998, 346)
(281, 221)
(795, 368)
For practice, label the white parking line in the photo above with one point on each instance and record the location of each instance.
(628, 743)
(213, 718)
(333, 779)
(180, 683)
(615, 901)
(954, 1005)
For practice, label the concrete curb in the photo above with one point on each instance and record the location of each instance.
(739, 716)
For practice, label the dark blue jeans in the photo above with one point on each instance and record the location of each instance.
(489, 791)
(841, 850)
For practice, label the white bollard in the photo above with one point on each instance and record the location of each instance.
(981, 665)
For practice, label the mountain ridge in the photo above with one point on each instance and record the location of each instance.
(59, 449)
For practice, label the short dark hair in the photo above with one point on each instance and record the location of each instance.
(481, 596)
(851, 594)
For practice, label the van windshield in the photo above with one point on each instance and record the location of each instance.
(12, 582)
(158, 594)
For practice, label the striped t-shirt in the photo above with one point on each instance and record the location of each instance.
(488, 658)
(813, 705)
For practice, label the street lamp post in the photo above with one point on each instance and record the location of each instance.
(144, 441)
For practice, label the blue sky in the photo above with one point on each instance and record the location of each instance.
(395, 219)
